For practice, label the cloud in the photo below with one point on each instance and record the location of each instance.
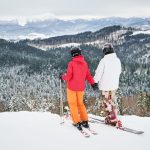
(73, 8)
(23, 20)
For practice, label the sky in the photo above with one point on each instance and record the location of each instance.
(74, 8)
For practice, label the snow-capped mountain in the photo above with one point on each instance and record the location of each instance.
(43, 131)
(51, 27)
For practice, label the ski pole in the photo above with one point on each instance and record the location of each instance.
(61, 105)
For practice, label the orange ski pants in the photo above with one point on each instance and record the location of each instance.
(76, 105)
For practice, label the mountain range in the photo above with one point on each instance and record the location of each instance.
(55, 27)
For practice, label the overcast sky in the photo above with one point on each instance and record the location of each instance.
(69, 8)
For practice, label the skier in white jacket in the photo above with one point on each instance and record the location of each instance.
(107, 76)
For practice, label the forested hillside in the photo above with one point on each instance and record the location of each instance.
(30, 76)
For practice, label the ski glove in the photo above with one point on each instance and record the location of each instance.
(95, 86)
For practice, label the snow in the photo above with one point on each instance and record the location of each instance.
(141, 32)
(98, 43)
(42, 131)
(69, 45)
(46, 47)
(32, 36)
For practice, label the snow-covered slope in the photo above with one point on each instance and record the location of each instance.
(97, 42)
(142, 32)
(46, 47)
(42, 131)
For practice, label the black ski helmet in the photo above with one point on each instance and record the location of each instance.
(75, 51)
(107, 49)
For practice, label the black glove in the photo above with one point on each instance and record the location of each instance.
(95, 86)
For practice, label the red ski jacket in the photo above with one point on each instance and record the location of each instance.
(77, 73)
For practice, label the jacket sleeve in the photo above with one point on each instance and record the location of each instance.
(99, 71)
(68, 75)
(89, 77)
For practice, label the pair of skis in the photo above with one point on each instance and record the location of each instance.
(86, 132)
(95, 120)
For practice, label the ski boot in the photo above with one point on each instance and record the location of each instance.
(85, 124)
(118, 124)
(113, 122)
(78, 126)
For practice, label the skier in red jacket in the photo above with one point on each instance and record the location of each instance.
(77, 74)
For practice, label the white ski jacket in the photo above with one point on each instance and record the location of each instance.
(108, 72)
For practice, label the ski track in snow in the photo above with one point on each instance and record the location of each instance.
(42, 131)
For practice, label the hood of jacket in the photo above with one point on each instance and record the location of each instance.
(79, 59)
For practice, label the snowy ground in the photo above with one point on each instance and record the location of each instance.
(42, 131)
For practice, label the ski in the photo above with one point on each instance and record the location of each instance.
(86, 130)
(85, 134)
(132, 130)
(95, 120)
(92, 131)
